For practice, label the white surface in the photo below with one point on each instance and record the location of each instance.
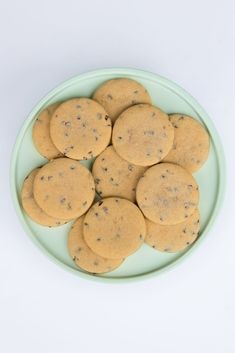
(45, 309)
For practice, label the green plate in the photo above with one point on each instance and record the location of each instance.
(169, 97)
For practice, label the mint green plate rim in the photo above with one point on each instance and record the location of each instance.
(184, 95)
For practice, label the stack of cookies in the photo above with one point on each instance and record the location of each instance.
(142, 165)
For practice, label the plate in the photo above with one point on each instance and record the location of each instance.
(170, 98)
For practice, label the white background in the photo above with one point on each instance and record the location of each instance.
(189, 309)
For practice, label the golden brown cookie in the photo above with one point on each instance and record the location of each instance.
(114, 228)
(114, 176)
(64, 188)
(31, 207)
(119, 94)
(80, 128)
(191, 143)
(167, 194)
(173, 238)
(41, 134)
(143, 135)
(83, 256)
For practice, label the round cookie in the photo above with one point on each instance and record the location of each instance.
(31, 207)
(64, 188)
(119, 94)
(114, 228)
(41, 134)
(80, 128)
(83, 256)
(143, 135)
(191, 143)
(173, 238)
(114, 176)
(167, 194)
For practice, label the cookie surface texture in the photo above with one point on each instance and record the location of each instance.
(83, 256)
(114, 228)
(64, 188)
(143, 135)
(80, 128)
(114, 176)
(191, 143)
(31, 207)
(173, 238)
(41, 134)
(119, 94)
(167, 194)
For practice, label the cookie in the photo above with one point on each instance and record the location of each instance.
(41, 134)
(143, 135)
(64, 188)
(173, 238)
(114, 228)
(31, 207)
(83, 256)
(114, 176)
(80, 128)
(191, 143)
(119, 94)
(167, 194)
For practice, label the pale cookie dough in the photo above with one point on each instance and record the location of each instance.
(80, 128)
(114, 228)
(191, 143)
(173, 238)
(119, 94)
(167, 194)
(64, 188)
(114, 176)
(143, 135)
(83, 256)
(31, 207)
(41, 134)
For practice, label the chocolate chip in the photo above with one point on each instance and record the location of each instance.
(105, 209)
(97, 180)
(86, 224)
(72, 167)
(100, 203)
(96, 214)
(184, 231)
(130, 167)
(42, 178)
(78, 117)
(98, 239)
(136, 91)
(84, 203)
(110, 96)
(106, 117)
(119, 137)
(62, 200)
